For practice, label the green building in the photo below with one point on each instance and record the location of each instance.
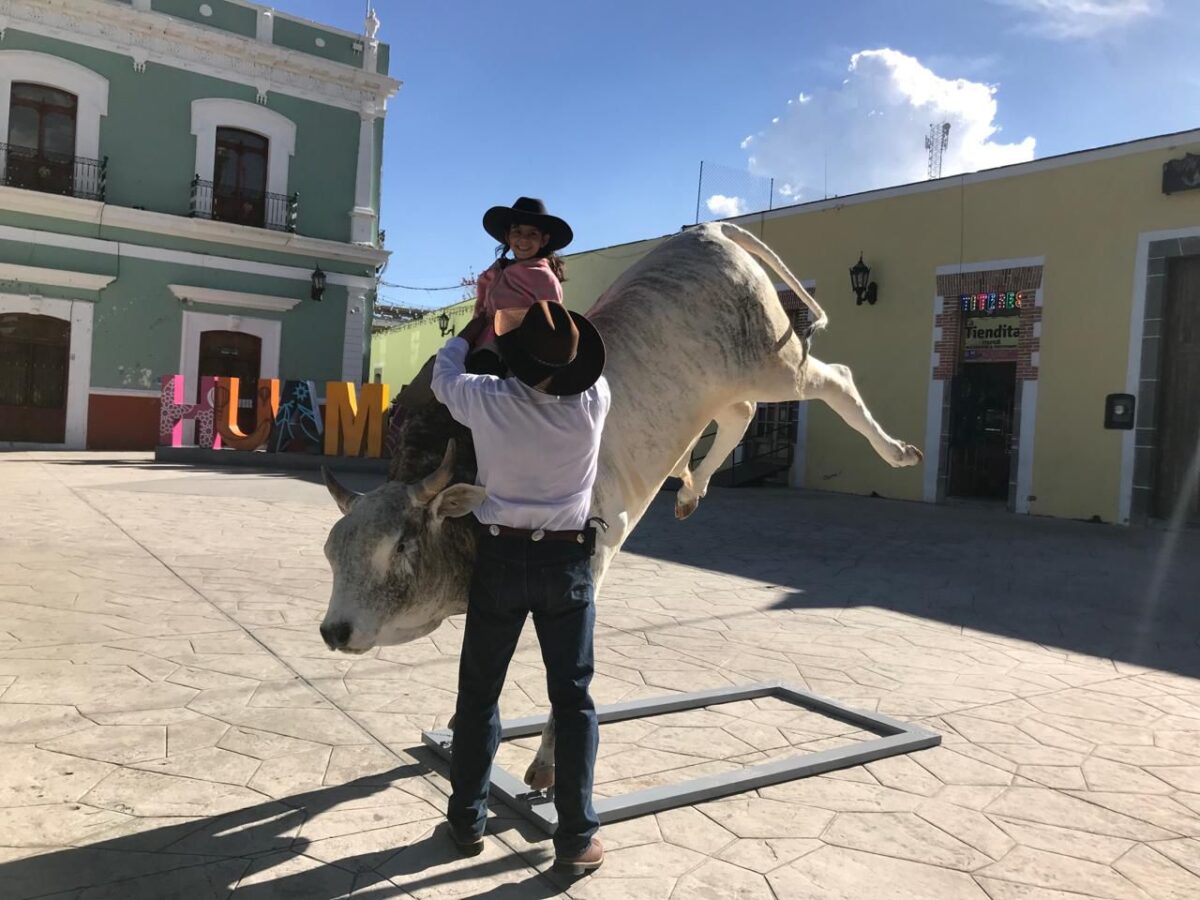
(185, 187)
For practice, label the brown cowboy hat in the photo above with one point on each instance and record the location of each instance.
(547, 341)
(527, 211)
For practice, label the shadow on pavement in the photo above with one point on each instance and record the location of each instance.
(257, 854)
(1080, 587)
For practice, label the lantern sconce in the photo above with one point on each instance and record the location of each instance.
(443, 321)
(318, 284)
(861, 284)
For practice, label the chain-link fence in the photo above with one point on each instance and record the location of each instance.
(724, 191)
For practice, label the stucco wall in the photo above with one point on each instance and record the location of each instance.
(1080, 218)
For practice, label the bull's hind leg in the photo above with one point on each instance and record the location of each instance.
(834, 384)
(731, 425)
(540, 774)
(681, 470)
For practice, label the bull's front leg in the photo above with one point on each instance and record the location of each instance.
(731, 425)
(540, 774)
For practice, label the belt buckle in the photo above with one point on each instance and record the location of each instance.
(494, 530)
(537, 535)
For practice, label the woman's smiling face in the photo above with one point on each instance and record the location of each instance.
(526, 241)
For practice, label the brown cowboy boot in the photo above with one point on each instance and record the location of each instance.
(587, 861)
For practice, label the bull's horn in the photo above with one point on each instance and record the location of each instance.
(425, 491)
(342, 495)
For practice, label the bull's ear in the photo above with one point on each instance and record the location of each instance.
(457, 500)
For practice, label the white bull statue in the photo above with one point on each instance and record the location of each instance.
(695, 333)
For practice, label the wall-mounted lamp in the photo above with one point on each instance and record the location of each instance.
(443, 321)
(318, 284)
(860, 283)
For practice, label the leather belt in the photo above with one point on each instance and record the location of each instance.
(579, 536)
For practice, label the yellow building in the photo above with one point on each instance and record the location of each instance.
(1015, 307)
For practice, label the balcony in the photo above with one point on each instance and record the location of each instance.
(53, 173)
(258, 209)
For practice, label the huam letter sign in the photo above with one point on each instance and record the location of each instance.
(288, 418)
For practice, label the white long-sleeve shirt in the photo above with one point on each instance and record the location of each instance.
(537, 453)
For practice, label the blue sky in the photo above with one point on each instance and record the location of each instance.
(605, 110)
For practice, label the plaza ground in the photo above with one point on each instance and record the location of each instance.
(172, 725)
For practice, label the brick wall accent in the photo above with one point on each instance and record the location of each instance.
(948, 347)
(950, 319)
(795, 308)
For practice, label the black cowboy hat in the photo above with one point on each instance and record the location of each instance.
(527, 211)
(547, 341)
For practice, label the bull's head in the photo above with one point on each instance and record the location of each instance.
(396, 571)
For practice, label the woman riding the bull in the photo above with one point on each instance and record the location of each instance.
(533, 273)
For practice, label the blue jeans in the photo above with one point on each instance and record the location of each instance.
(552, 580)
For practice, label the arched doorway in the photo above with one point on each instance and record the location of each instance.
(234, 354)
(34, 362)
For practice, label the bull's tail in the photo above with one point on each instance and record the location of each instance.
(761, 251)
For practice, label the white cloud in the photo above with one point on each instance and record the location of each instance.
(869, 131)
(1066, 19)
(723, 207)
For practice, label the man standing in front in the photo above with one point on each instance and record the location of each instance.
(537, 439)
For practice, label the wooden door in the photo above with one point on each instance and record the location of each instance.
(234, 355)
(34, 361)
(1179, 393)
(981, 412)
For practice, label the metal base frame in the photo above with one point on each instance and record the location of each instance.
(538, 806)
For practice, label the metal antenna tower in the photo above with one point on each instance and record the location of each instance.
(936, 142)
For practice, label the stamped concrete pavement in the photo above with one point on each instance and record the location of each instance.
(172, 726)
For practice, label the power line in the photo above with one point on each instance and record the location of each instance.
(409, 287)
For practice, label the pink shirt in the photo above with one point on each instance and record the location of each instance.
(519, 284)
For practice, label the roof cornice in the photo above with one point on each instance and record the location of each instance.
(165, 40)
(1158, 143)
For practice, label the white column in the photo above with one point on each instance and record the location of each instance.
(934, 400)
(265, 30)
(5, 100)
(933, 439)
(79, 374)
(143, 5)
(800, 453)
(1029, 392)
(353, 348)
(370, 44)
(362, 217)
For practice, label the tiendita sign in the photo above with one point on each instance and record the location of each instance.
(288, 416)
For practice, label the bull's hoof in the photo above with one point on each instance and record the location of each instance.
(905, 455)
(685, 503)
(539, 778)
